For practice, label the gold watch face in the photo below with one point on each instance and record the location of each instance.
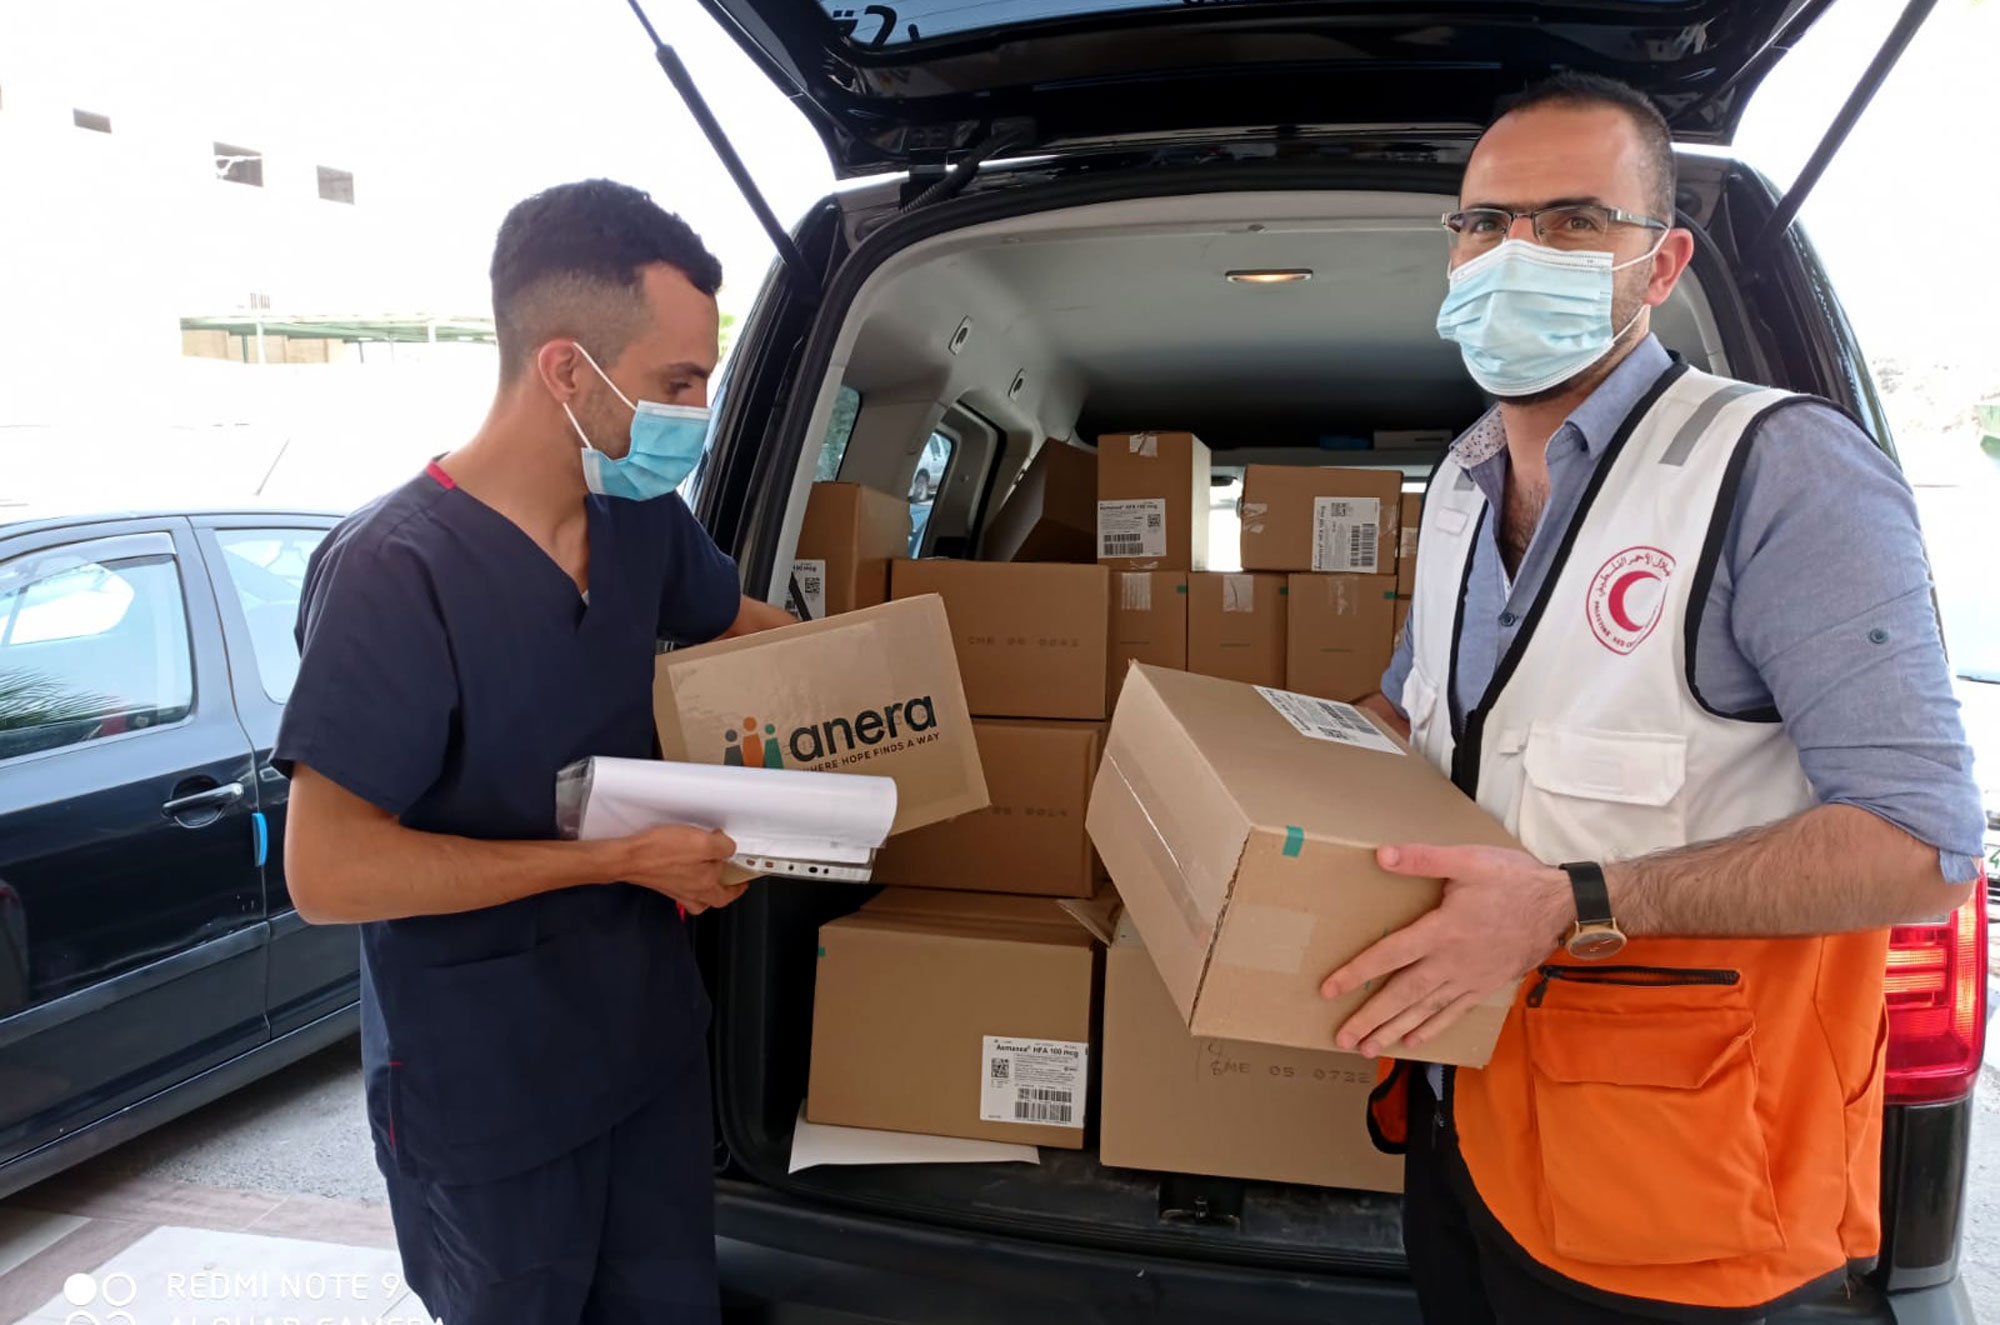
(1596, 943)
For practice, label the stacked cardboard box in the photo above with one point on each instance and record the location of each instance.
(1335, 521)
(1183, 1103)
(955, 1014)
(850, 535)
(1237, 626)
(1152, 501)
(1341, 634)
(1051, 515)
(1406, 558)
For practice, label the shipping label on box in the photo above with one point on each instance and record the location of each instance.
(1244, 851)
(874, 691)
(1033, 1081)
(808, 579)
(1347, 534)
(1132, 528)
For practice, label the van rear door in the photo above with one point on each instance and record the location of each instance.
(914, 83)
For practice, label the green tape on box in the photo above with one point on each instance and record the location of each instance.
(1295, 839)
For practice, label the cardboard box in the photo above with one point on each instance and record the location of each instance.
(1332, 520)
(1031, 838)
(1342, 631)
(954, 1014)
(1152, 501)
(1244, 851)
(1030, 638)
(1149, 621)
(1410, 521)
(850, 535)
(874, 691)
(1181, 1103)
(1051, 515)
(1237, 626)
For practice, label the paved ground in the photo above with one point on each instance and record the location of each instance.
(276, 1184)
(265, 1208)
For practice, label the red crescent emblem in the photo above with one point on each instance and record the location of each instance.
(1608, 606)
(1615, 600)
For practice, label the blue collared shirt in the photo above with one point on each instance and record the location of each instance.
(1821, 607)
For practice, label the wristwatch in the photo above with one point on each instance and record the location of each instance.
(1596, 935)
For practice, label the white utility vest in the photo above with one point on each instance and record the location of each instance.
(1591, 743)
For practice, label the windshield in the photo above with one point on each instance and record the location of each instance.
(879, 25)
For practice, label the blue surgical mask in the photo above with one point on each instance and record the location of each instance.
(1527, 318)
(666, 443)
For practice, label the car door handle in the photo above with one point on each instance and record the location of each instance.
(215, 798)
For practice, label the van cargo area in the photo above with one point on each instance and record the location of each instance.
(1061, 326)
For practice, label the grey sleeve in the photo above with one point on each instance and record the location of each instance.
(1399, 670)
(1821, 609)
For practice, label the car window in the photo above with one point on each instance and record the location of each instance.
(846, 406)
(90, 649)
(268, 569)
(924, 484)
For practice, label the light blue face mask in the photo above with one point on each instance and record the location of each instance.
(1527, 318)
(666, 443)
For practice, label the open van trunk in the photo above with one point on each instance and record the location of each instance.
(1091, 318)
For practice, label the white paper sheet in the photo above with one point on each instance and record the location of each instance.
(775, 812)
(814, 1144)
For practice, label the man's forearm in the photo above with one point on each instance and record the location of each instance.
(1833, 869)
(384, 871)
(754, 614)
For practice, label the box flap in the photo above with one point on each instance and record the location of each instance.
(992, 916)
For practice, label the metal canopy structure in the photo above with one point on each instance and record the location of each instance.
(397, 327)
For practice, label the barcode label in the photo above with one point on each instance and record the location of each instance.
(1346, 534)
(1135, 591)
(811, 578)
(1044, 1106)
(1132, 528)
(1033, 1081)
(1328, 720)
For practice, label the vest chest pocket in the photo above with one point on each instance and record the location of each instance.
(1430, 718)
(1652, 1153)
(1592, 794)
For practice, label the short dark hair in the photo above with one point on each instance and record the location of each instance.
(1573, 89)
(567, 263)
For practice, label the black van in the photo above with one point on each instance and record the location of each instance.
(1066, 187)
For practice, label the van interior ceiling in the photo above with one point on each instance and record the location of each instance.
(1067, 324)
(1122, 316)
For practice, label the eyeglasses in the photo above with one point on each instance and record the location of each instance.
(1569, 226)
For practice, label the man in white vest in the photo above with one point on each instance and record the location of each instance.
(1676, 632)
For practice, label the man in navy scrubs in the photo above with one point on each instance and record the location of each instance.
(532, 1020)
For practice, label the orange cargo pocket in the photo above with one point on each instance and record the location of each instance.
(1651, 1149)
(1861, 1222)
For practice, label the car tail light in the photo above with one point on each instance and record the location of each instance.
(1936, 988)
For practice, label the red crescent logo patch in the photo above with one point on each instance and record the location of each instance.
(1627, 596)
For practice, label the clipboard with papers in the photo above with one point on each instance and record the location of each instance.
(824, 826)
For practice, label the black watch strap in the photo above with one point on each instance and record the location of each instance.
(1593, 897)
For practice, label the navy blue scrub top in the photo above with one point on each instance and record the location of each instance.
(448, 668)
